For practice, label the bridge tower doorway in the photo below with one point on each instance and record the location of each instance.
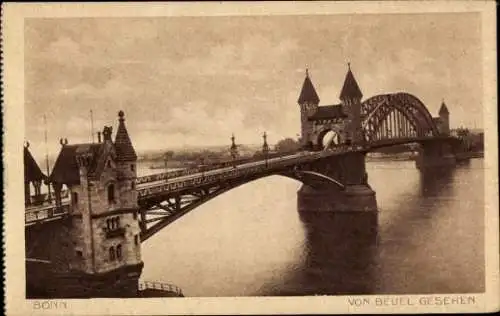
(328, 139)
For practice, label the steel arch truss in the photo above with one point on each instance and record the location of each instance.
(157, 212)
(394, 116)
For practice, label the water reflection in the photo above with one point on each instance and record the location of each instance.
(338, 255)
(435, 182)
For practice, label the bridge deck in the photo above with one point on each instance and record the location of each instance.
(172, 182)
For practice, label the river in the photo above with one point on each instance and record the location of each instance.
(251, 241)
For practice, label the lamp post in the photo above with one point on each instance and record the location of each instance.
(265, 147)
(233, 150)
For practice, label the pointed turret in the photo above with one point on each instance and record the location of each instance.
(124, 149)
(350, 90)
(443, 110)
(32, 171)
(308, 93)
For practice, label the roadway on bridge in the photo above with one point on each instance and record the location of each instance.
(222, 170)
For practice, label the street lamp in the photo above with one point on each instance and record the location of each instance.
(234, 150)
(265, 147)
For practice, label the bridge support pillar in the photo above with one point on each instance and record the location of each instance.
(356, 196)
(437, 154)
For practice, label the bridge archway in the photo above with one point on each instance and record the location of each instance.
(398, 115)
(328, 137)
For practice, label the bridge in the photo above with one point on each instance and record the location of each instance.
(106, 210)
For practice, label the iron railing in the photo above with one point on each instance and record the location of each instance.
(45, 213)
(214, 166)
(160, 286)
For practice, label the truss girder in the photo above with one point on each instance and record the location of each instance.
(409, 112)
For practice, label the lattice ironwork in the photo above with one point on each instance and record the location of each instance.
(399, 115)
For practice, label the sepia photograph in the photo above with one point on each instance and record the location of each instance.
(212, 155)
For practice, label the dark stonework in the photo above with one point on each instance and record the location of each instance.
(50, 274)
(435, 154)
(44, 282)
(357, 195)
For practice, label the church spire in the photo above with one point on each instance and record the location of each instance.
(124, 149)
(350, 90)
(308, 93)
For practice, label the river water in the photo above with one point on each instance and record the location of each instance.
(251, 241)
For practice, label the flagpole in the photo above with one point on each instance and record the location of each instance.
(49, 199)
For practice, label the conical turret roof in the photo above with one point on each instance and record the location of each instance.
(443, 109)
(308, 93)
(32, 171)
(123, 146)
(350, 90)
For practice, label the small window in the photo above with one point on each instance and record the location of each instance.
(132, 168)
(111, 193)
(112, 253)
(79, 254)
(117, 222)
(108, 164)
(132, 185)
(119, 252)
(74, 198)
(108, 224)
(136, 239)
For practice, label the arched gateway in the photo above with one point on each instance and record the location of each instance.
(388, 116)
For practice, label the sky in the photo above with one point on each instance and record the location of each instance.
(193, 81)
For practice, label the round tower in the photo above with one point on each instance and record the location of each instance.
(444, 117)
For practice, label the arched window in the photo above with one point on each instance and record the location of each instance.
(117, 222)
(109, 164)
(119, 252)
(112, 253)
(111, 193)
(136, 239)
(108, 224)
(132, 167)
(132, 185)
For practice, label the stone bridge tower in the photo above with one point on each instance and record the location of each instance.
(308, 102)
(444, 118)
(104, 258)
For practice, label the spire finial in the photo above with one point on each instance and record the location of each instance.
(121, 115)
(307, 72)
(349, 65)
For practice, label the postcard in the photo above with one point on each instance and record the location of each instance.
(250, 158)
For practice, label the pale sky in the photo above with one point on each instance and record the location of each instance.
(195, 80)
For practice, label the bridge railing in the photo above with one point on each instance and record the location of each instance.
(41, 199)
(175, 186)
(154, 285)
(233, 173)
(209, 167)
(47, 213)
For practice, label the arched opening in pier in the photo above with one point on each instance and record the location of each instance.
(328, 139)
